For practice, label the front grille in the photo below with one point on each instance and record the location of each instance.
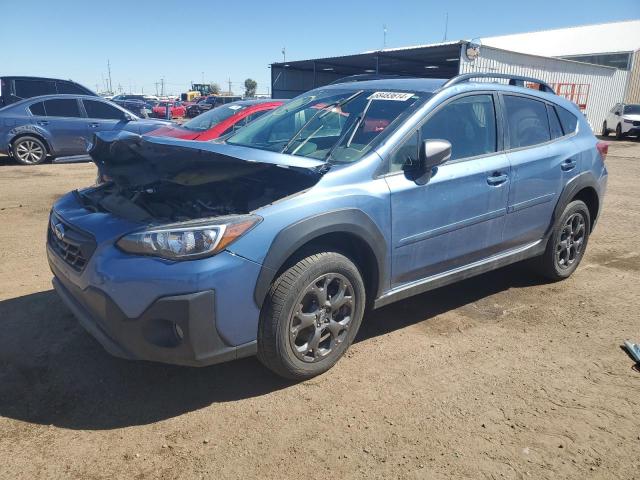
(72, 245)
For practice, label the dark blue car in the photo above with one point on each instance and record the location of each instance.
(62, 125)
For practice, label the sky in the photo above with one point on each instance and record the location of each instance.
(182, 41)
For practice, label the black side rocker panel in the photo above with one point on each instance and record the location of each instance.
(293, 237)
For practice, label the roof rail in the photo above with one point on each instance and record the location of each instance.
(516, 80)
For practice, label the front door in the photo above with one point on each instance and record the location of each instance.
(458, 216)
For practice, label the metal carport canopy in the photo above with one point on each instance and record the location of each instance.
(427, 61)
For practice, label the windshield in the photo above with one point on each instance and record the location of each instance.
(336, 125)
(212, 117)
(632, 109)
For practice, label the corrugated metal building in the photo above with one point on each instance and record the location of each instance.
(558, 57)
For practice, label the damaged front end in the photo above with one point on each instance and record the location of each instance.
(152, 179)
(192, 198)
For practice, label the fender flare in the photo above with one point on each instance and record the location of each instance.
(25, 131)
(293, 237)
(577, 183)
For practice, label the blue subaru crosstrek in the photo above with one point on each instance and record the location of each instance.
(275, 241)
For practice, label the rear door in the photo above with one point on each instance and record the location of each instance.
(537, 168)
(458, 216)
(66, 126)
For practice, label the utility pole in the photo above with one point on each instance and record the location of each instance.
(156, 84)
(229, 85)
(446, 26)
(384, 36)
(203, 77)
(109, 70)
(162, 87)
(284, 55)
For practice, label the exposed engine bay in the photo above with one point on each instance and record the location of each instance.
(151, 180)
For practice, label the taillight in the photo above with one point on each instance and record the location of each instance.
(603, 149)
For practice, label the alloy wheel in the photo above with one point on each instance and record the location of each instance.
(571, 240)
(29, 151)
(321, 317)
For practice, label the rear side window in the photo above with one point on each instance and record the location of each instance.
(468, 123)
(34, 88)
(554, 123)
(568, 120)
(102, 110)
(527, 120)
(72, 88)
(37, 109)
(67, 107)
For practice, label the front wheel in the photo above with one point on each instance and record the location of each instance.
(311, 316)
(619, 134)
(567, 243)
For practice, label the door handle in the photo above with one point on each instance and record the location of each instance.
(568, 164)
(94, 125)
(497, 179)
(43, 122)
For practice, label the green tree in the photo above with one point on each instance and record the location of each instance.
(215, 88)
(250, 86)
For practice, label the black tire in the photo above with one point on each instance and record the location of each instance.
(605, 130)
(292, 319)
(29, 150)
(567, 243)
(619, 134)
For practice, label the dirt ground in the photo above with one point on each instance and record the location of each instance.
(501, 376)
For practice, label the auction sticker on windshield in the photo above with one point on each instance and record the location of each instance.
(397, 96)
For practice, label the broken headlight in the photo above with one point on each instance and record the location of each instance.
(188, 240)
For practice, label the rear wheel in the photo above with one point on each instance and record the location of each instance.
(605, 130)
(29, 150)
(311, 316)
(567, 244)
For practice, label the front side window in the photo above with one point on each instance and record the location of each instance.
(468, 123)
(340, 126)
(102, 110)
(632, 109)
(527, 120)
(67, 107)
(72, 88)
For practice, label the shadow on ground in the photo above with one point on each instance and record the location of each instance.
(53, 372)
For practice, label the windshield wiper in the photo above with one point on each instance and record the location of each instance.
(324, 111)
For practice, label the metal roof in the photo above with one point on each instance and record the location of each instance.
(611, 37)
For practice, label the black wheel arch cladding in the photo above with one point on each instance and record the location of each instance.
(580, 182)
(294, 237)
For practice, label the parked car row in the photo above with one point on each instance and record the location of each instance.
(62, 125)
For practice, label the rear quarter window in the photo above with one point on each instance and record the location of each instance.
(37, 109)
(568, 120)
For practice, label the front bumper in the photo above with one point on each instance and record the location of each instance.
(178, 329)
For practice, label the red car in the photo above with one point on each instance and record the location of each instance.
(177, 110)
(219, 121)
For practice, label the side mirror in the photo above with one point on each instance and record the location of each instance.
(128, 117)
(432, 154)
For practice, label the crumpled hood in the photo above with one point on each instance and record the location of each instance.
(132, 160)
